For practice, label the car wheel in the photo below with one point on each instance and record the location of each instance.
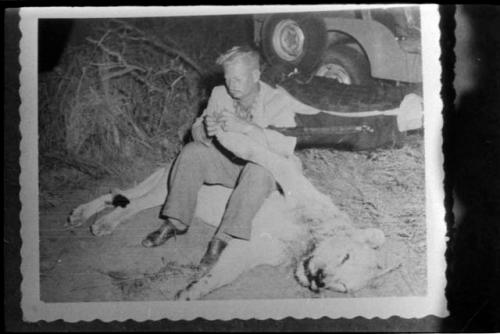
(346, 65)
(294, 42)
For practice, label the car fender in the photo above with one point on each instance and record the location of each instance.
(387, 59)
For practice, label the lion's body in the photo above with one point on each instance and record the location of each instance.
(284, 228)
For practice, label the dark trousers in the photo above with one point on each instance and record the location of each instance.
(198, 164)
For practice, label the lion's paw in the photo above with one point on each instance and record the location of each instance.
(76, 218)
(102, 227)
(183, 295)
(189, 293)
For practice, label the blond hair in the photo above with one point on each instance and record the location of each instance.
(240, 53)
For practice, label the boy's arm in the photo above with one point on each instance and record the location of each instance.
(198, 129)
(199, 133)
(275, 141)
(268, 138)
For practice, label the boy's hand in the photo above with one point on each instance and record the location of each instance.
(212, 125)
(199, 134)
(232, 123)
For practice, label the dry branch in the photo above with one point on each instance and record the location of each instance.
(151, 87)
(126, 92)
(159, 44)
(94, 169)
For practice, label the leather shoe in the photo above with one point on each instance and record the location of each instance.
(214, 250)
(161, 235)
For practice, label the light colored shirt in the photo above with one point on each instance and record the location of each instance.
(272, 107)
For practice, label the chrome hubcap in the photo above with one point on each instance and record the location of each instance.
(336, 72)
(288, 40)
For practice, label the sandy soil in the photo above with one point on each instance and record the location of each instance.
(383, 188)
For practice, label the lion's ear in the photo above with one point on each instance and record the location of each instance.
(372, 236)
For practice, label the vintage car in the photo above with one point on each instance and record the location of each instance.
(356, 67)
(354, 46)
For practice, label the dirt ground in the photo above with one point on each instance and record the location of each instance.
(382, 188)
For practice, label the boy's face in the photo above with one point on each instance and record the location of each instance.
(241, 78)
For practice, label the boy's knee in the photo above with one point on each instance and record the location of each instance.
(257, 175)
(193, 151)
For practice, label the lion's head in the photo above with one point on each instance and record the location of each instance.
(343, 263)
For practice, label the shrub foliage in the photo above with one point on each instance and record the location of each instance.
(130, 88)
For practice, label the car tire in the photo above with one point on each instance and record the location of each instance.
(346, 65)
(292, 42)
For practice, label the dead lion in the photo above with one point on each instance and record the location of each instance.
(298, 226)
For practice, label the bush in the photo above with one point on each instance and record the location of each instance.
(130, 88)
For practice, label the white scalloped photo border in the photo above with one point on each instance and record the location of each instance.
(433, 303)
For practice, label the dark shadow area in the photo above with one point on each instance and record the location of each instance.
(472, 181)
(212, 80)
(12, 206)
(53, 33)
(207, 83)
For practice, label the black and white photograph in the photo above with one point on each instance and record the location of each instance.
(238, 162)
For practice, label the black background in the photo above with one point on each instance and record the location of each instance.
(472, 152)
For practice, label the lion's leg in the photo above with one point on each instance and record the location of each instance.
(106, 224)
(286, 171)
(83, 212)
(158, 178)
(239, 257)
